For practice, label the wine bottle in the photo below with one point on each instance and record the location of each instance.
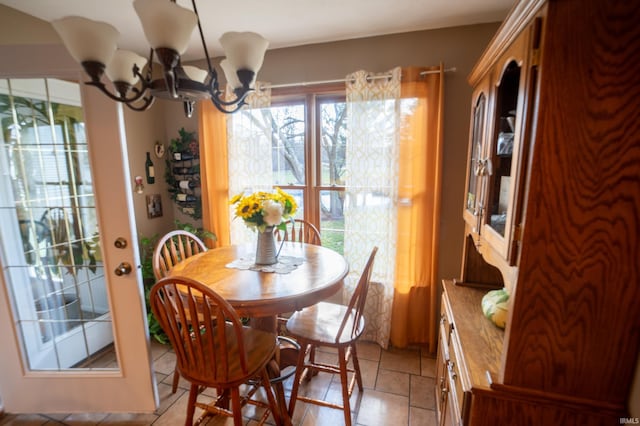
(184, 170)
(149, 170)
(187, 184)
(182, 156)
(186, 198)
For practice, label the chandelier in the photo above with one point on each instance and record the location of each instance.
(167, 28)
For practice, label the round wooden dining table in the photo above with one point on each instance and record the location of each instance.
(258, 294)
(261, 295)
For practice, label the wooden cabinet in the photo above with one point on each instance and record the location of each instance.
(552, 213)
(498, 148)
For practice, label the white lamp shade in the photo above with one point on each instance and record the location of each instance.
(230, 74)
(166, 24)
(195, 73)
(120, 68)
(244, 50)
(87, 40)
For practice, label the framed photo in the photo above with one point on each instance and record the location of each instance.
(154, 206)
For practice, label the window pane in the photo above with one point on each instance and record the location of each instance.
(332, 142)
(298, 195)
(332, 219)
(287, 128)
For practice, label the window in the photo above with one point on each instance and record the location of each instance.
(305, 136)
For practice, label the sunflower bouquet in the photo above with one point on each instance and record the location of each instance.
(262, 209)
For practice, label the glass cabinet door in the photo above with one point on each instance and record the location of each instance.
(499, 189)
(473, 204)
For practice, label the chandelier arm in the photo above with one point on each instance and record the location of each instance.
(96, 71)
(118, 98)
(204, 45)
(240, 97)
(222, 107)
(148, 102)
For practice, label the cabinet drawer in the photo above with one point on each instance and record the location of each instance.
(459, 393)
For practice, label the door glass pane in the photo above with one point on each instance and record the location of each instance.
(476, 153)
(502, 152)
(49, 233)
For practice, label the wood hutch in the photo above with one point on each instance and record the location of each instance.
(552, 213)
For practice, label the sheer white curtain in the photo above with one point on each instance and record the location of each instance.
(250, 157)
(370, 210)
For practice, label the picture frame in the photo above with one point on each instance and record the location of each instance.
(154, 206)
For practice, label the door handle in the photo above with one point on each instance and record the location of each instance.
(123, 268)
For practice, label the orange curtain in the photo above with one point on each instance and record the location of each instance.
(413, 317)
(214, 172)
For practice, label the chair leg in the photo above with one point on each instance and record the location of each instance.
(273, 404)
(191, 405)
(342, 360)
(176, 379)
(296, 380)
(356, 366)
(312, 359)
(236, 406)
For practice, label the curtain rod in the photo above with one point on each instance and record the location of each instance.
(342, 80)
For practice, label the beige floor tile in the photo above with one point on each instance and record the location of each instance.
(380, 408)
(317, 387)
(176, 412)
(423, 392)
(393, 382)
(82, 419)
(404, 360)
(132, 419)
(167, 399)
(368, 350)
(323, 416)
(428, 367)
(369, 372)
(158, 349)
(165, 363)
(56, 417)
(422, 417)
(24, 420)
(334, 394)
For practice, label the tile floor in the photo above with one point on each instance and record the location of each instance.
(398, 390)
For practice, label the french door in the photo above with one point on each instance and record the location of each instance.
(68, 293)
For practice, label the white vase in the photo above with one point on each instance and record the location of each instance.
(266, 247)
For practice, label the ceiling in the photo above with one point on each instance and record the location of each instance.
(284, 23)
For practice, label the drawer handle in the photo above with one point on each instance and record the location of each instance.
(443, 391)
(452, 373)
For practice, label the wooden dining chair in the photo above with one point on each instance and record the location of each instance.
(299, 230)
(335, 326)
(170, 250)
(173, 248)
(296, 230)
(213, 348)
